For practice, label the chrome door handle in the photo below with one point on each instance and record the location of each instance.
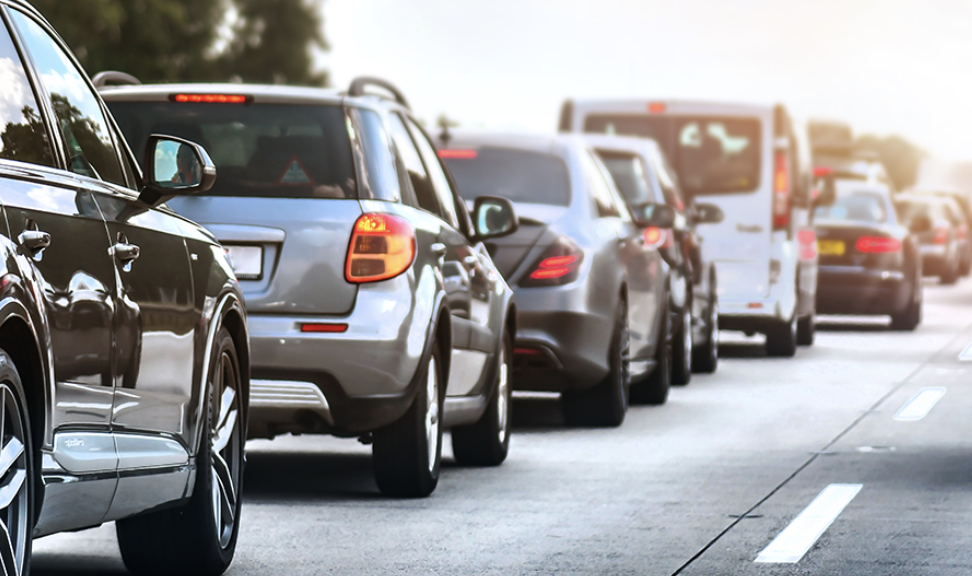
(125, 252)
(439, 249)
(34, 240)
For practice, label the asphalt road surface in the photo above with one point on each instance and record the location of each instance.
(854, 458)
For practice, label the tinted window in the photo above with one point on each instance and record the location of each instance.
(518, 175)
(22, 133)
(81, 122)
(381, 181)
(417, 176)
(630, 176)
(908, 210)
(440, 183)
(668, 180)
(263, 150)
(599, 187)
(858, 207)
(711, 155)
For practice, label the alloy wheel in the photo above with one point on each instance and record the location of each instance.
(14, 485)
(432, 412)
(226, 448)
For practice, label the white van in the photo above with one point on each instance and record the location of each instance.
(751, 161)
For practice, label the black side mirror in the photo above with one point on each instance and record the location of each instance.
(654, 215)
(494, 217)
(175, 167)
(920, 224)
(708, 214)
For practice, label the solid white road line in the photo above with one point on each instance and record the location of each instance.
(794, 541)
(920, 404)
(966, 355)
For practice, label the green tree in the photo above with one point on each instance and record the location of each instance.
(186, 40)
(274, 41)
(901, 158)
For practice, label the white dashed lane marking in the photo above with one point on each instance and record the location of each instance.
(794, 541)
(920, 404)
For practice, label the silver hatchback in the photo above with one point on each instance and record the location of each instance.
(375, 310)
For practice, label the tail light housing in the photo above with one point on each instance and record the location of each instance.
(941, 234)
(781, 190)
(659, 237)
(807, 244)
(878, 245)
(382, 247)
(559, 264)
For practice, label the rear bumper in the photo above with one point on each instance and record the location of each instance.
(364, 374)
(935, 259)
(858, 290)
(568, 343)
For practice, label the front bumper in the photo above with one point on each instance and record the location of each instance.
(858, 290)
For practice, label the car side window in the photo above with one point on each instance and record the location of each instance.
(417, 176)
(668, 181)
(381, 178)
(80, 119)
(600, 189)
(23, 136)
(440, 182)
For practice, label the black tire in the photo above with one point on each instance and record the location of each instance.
(406, 460)
(487, 442)
(199, 538)
(909, 318)
(654, 389)
(806, 330)
(705, 358)
(951, 273)
(606, 403)
(781, 338)
(17, 513)
(682, 347)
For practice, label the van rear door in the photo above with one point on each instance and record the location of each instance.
(723, 155)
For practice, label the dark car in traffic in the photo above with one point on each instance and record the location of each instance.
(935, 224)
(958, 208)
(592, 304)
(870, 263)
(124, 351)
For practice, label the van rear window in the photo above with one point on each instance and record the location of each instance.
(260, 150)
(712, 155)
(517, 175)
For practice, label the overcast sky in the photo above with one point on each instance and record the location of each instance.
(888, 66)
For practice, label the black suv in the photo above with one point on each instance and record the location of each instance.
(124, 358)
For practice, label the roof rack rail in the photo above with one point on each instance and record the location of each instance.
(102, 79)
(359, 84)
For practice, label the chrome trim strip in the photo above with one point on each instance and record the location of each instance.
(290, 395)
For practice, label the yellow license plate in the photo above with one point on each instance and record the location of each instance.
(831, 247)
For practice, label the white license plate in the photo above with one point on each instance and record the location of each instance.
(247, 261)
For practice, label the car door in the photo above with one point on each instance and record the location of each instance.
(474, 266)
(53, 217)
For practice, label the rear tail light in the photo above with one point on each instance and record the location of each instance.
(941, 235)
(781, 191)
(211, 98)
(460, 154)
(821, 171)
(807, 242)
(382, 247)
(659, 237)
(878, 245)
(559, 264)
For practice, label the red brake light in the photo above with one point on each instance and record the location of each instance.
(807, 244)
(657, 107)
(941, 235)
(781, 191)
(878, 245)
(558, 265)
(382, 247)
(461, 154)
(821, 171)
(654, 236)
(210, 98)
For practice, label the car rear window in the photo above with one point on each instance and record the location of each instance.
(260, 150)
(517, 175)
(712, 155)
(855, 207)
(908, 210)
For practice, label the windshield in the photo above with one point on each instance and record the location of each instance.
(711, 155)
(857, 207)
(263, 150)
(517, 175)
